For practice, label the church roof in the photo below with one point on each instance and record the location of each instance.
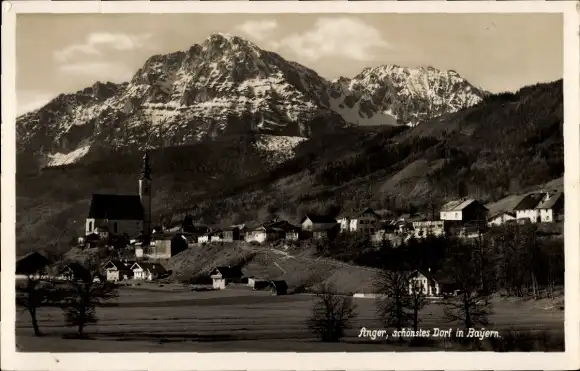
(116, 207)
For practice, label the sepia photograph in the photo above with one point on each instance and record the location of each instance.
(290, 182)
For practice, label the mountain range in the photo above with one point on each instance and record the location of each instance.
(237, 134)
(229, 86)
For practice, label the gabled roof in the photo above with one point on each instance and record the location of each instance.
(458, 205)
(228, 272)
(501, 213)
(77, 270)
(117, 264)
(316, 218)
(31, 263)
(151, 267)
(357, 213)
(529, 202)
(116, 207)
(283, 225)
(551, 202)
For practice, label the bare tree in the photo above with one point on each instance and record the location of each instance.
(31, 295)
(472, 305)
(84, 294)
(331, 315)
(417, 301)
(393, 308)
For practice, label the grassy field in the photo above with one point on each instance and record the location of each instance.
(155, 320)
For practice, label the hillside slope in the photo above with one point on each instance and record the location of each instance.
(504, 145)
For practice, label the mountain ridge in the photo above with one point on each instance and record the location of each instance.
(226, 86)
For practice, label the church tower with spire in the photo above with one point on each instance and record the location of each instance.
(145, 193)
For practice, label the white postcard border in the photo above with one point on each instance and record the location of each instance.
(567, 360)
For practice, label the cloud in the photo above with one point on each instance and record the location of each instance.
(30, 100)
(95, 42)
(258, 29)
(346, 37)
(105, 71)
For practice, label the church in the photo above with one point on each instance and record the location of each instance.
(123, 214)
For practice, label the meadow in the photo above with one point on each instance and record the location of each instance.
(237, 319)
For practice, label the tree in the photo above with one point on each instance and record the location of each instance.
(417, 301)
(31, 295)
(393, 308)
(472, 306)
(331, 315)
(83, 295)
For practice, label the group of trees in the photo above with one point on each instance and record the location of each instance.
(514, 260)
(78, 298)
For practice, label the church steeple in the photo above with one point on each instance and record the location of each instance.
(145, 193)
(145, 168)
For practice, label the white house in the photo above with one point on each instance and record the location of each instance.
(426, 228)
(551, 208)
(117, 270)
(500, 218)
(204, 238)
(424, 283)
(363, 221)
(527, 207)
(147, 271)
(221, 276)
(311, 222)
(463, 210)
(263, 233)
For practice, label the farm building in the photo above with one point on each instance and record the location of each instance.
(501, 218)
(231, 234)
(264, 233)
(117, 270)
(423, 282)
(148, 271)
(311, 222)
(463, 210)
(526, 208)
(551, 208)
(74, 272)
(276, 287)
(222, 276)
(361, 221)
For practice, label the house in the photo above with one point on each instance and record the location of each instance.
(311, 222)
(222, 276)
(423, 282)
(216, 236)
(289, 231)
(148, 271)
(75, 272)
(204, 238)
(231, 234)
(551, 208)
(500, 218)
(527, 207)
(426, 228)
(293, 235)
(31, 264)
(123, 214)
(264, 233)
(362, 221)
(463, 210)
(117, 270)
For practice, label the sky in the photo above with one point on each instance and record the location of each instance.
(64, 53)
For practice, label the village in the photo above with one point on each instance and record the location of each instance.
(123, 222)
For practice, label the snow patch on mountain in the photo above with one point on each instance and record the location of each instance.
(278, 148)
(59, 159)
